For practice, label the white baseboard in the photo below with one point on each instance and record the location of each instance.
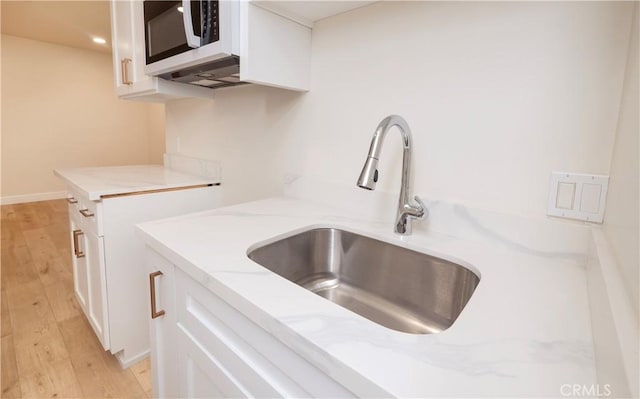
(126, 363)
(19, 199)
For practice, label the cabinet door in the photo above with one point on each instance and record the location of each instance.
(162, 326)
(139, 46)
(96, 310)
(80, 280)
(122, 45)
(202, 376)
(222, 350)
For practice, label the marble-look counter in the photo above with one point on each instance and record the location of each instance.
(524, 333)
(96, 182)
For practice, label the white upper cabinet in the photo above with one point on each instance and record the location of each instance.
(122, 42)
(127, 38)
(273, 50)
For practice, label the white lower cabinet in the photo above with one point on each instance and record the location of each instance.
(80, 272)
(164, 354)
(97, 306)
(200, 375)
(109, 282)
(204, 348)
(89, 272)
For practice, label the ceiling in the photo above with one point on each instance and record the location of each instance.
(69, 23)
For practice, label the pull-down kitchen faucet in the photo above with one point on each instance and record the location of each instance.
(369, 175)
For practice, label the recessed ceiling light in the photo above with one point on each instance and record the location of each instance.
(99, 40)
(180, 9)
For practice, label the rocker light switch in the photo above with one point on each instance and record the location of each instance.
(590, 201)
(566, 192)
(577, 196)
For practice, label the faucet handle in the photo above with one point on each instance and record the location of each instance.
(415, 211)
(423, 208)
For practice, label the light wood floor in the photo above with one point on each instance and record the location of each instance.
(48, 347)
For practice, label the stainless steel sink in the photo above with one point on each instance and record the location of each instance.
(396, 287)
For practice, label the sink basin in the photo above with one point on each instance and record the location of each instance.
(396, 287)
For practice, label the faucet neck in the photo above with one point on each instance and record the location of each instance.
(376, 147)
(369, 175)
(381, 132)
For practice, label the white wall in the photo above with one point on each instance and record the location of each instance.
(239, 128)
(621, 218)
(156, 133)
(498, 95)
(59, 109)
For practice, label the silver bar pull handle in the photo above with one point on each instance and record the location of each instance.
(72, 200)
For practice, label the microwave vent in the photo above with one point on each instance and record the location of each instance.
(215, 74)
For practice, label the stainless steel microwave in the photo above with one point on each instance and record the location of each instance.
(181, 35)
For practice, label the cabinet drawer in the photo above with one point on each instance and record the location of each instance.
(90, 212)
(253, 360)
(203, 375)
(238, 368)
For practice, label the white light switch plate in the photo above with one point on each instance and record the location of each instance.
(577, 196)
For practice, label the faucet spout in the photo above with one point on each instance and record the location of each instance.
(369, 175)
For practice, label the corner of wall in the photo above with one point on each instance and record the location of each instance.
(614, 322)
(156, 132)
(621, 225)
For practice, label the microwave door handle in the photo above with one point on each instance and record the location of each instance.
(193, 41)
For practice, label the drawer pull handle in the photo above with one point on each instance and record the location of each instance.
(72, 200)
(76, 250)
(86, 213)
(152, 288)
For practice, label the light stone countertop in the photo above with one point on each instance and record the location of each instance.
(525, 332)
(96, 182)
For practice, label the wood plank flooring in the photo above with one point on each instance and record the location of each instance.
(48, 348)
